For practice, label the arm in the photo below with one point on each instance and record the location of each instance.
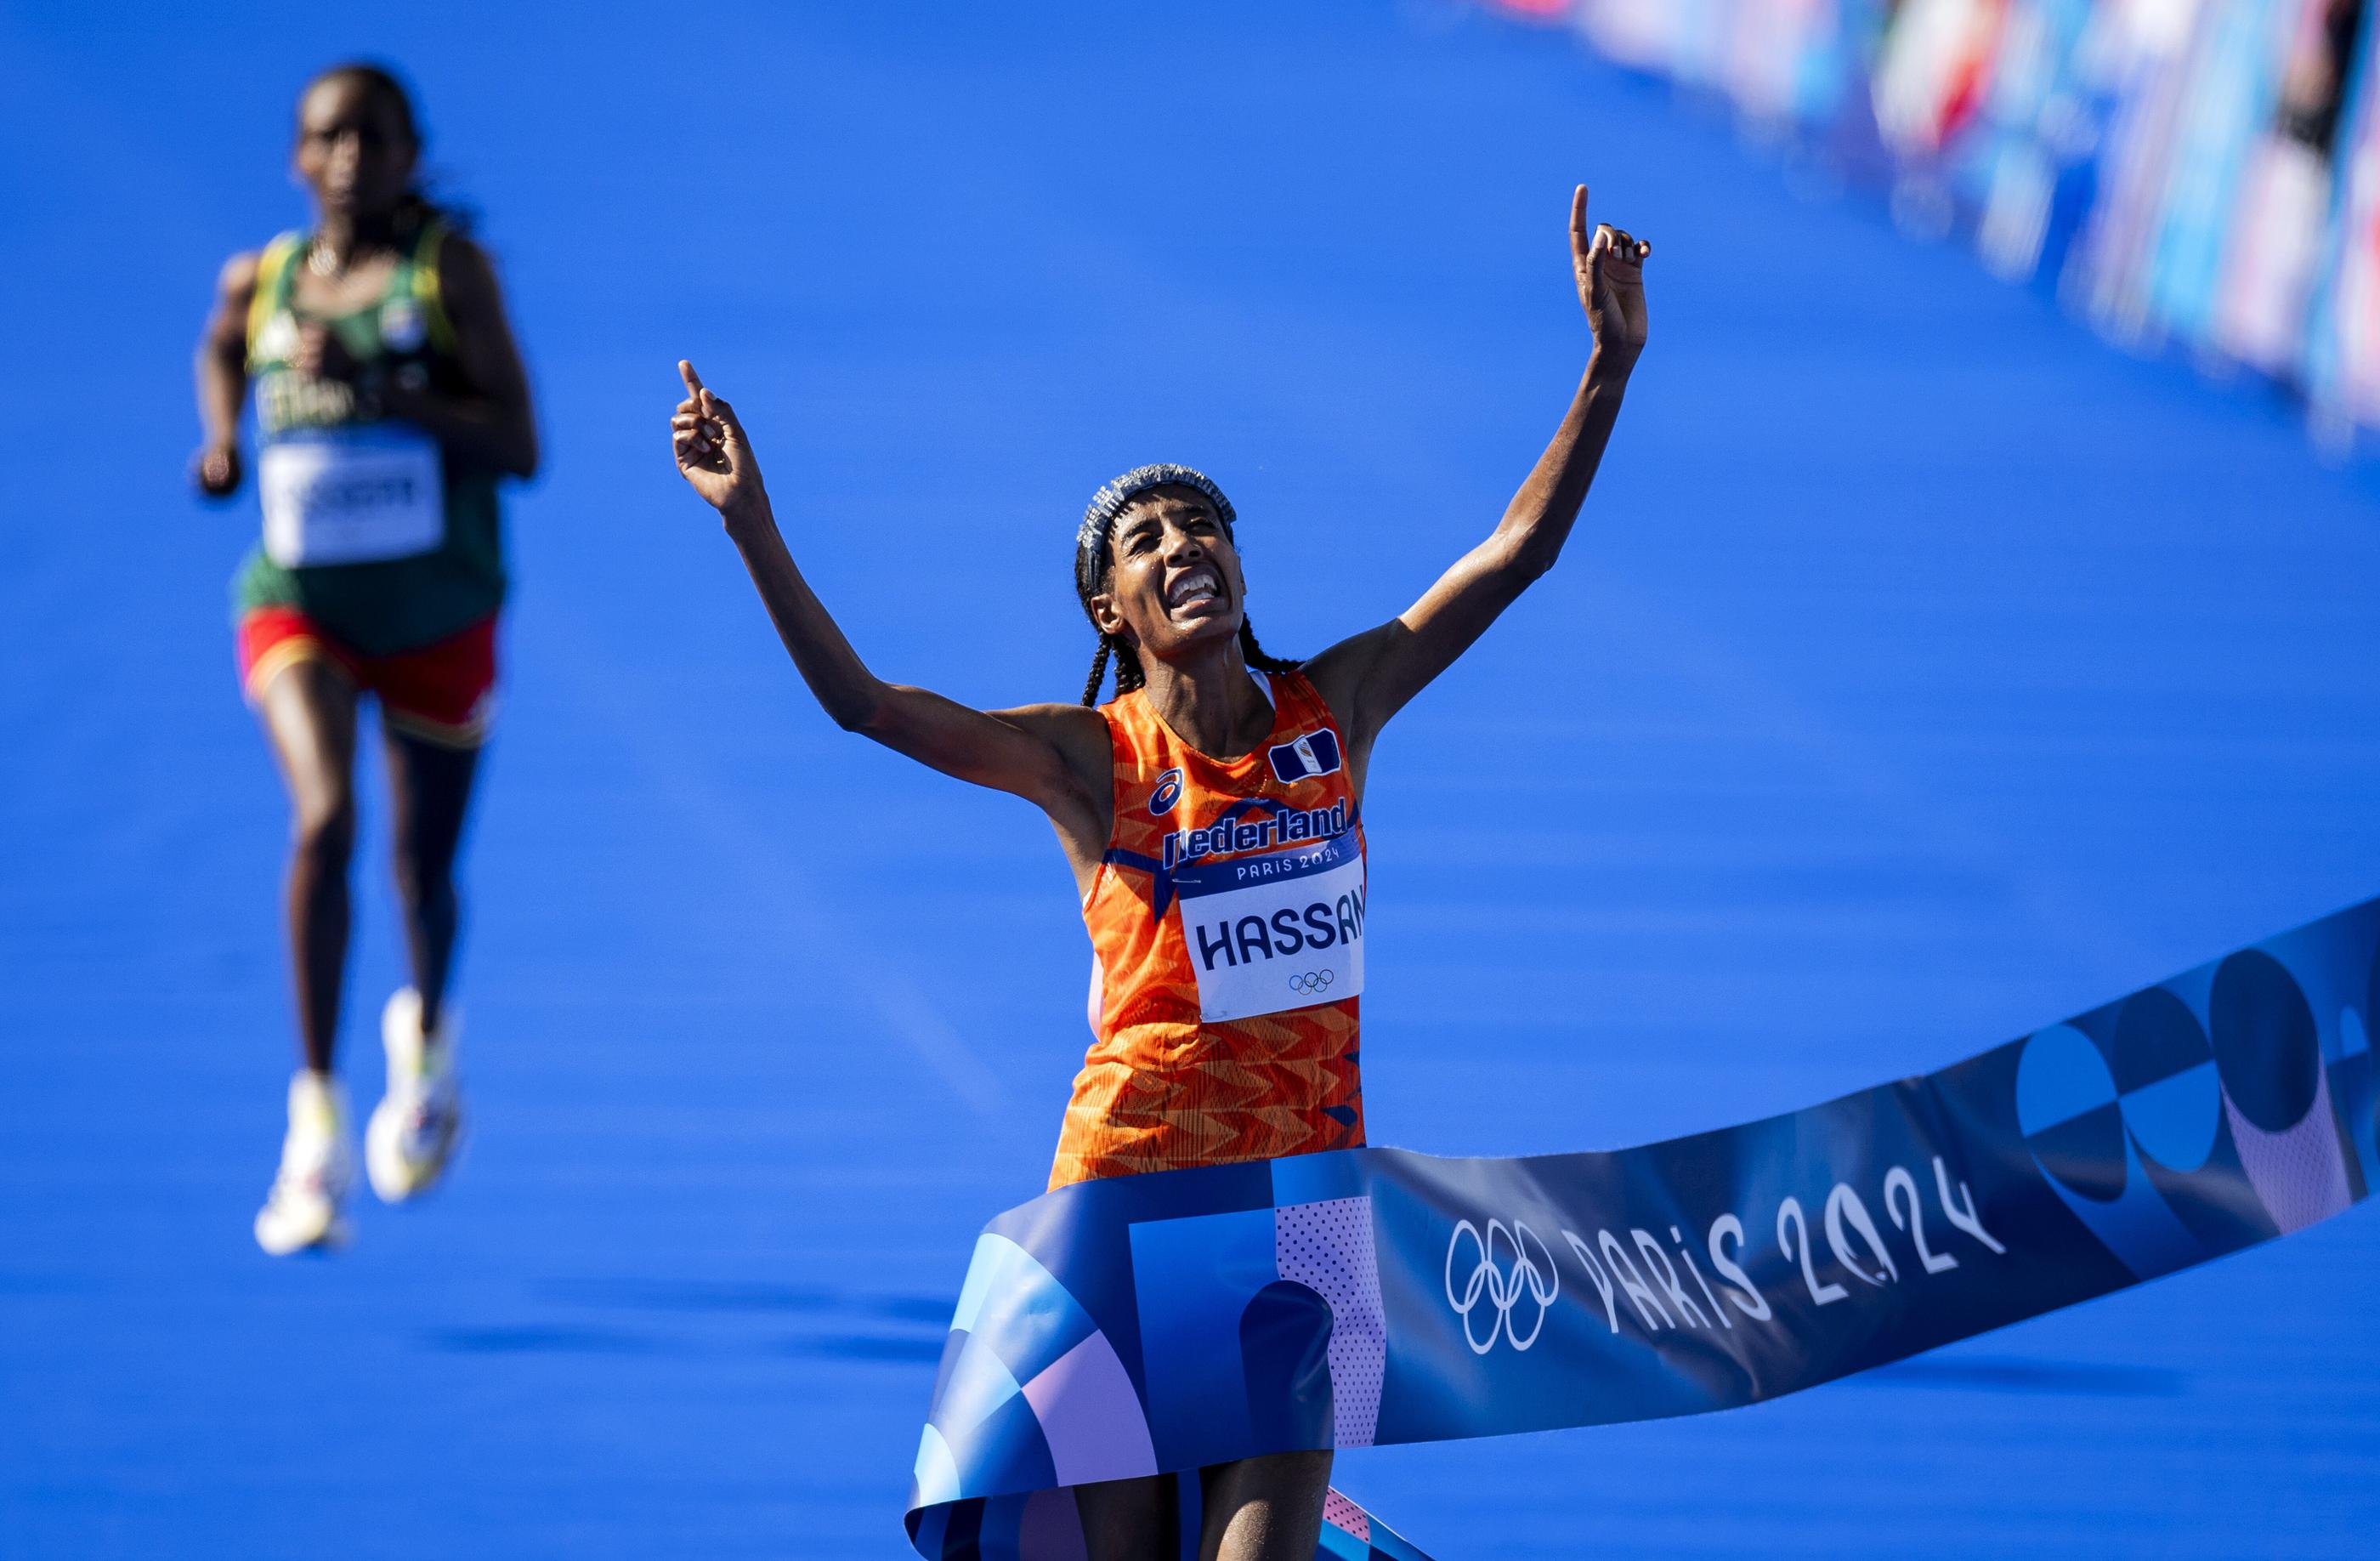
(1369, 678)
(223, 379)
(495, 427)
(1055, 756)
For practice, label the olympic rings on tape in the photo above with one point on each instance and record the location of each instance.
(1502, 1289)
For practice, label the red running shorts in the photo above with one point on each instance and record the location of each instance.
(442, 693)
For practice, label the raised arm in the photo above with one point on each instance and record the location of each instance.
(1055, 756)
(1368, 679)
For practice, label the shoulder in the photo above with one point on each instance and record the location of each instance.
(467, 273)
(458, 280)
(235, 283)
(1078, 736)
(243, 287)
(1078, 732)
(1071, 727)
(1336, 677)
(251, 271)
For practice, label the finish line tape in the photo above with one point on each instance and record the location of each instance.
(1158, 1324)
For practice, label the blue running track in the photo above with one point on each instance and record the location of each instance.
(1922, 671)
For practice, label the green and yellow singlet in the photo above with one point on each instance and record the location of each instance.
(369, 528)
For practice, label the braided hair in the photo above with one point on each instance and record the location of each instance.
(1094, 559)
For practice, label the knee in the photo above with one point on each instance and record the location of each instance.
(324, 830)
(424, 878)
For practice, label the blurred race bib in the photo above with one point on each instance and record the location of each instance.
(351, 495)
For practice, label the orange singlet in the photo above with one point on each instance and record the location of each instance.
(1227, 929)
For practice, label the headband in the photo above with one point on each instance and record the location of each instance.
(1111, 499)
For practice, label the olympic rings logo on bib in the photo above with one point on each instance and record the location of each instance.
(1312, 983)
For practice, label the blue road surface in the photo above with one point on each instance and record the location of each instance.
(1922, 671)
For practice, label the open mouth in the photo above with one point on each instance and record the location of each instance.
(1196, 586)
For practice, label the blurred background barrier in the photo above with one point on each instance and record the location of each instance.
(2195, 176)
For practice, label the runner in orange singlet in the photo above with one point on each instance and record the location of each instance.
(1210, 813)
(1225, 983)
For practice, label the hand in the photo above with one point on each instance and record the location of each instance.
(713, 454)
(1609, 266)
(322, 355)
(215, 470)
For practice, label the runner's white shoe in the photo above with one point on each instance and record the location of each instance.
(414, 1128)
(317, 1167)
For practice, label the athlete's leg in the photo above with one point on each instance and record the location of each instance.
(430, 791)
(1266, 1509)
(419, 1118)
(1131, 1519)
(309, 709)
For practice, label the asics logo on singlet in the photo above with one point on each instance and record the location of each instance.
(1305, 756)
(1289, 826)
(1168, 792)
(1498, 1288)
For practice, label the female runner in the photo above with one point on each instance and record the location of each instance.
(1211, 819)
(390, 398)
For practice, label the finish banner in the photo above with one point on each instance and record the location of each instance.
(1158, 1324)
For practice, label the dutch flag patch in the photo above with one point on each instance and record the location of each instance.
(1305, 756)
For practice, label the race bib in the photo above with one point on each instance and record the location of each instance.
(1275, 931)
(351, 495)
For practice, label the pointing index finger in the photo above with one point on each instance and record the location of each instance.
(693, 381)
